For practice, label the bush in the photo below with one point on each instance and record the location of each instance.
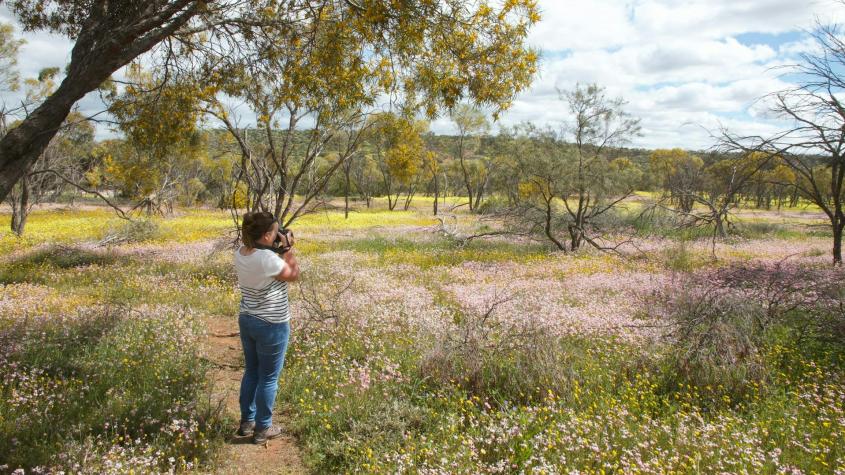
(757, 229)
(679, 258)
(519, 364)
(506, 361)
(136, 230)
(716, 344)
(493, 204)
(719, 323)
(649, 222)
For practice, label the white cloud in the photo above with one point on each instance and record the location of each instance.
(581, 25)
(601, 24)
(721, 18)
(682, 65)
(794, 48)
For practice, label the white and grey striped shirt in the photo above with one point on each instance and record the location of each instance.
(262, 295)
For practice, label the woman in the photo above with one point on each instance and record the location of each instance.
(264, 321)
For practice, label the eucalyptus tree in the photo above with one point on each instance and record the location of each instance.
(365, 175)
(399, 151)
(724, 182)
(62, 165)
(432, 163)
(704, 193)
(107, 35)
(600, 182)
(680, 174)
(63, 161)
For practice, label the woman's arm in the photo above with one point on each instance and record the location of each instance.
(291, 270)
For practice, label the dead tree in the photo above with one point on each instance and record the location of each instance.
(814, 146)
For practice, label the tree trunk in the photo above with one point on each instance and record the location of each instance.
(837, 244)
(436, 194)
(720, 226)
(20, 208)
(409, 197)
(575, 237)
(547, 227)
(98, 52)
(346, 196)
(467, 180)
(478, 195)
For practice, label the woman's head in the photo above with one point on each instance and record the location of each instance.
(258, 226)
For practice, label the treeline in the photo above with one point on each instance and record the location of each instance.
(202, 174)
(182, 146)
(397, 159)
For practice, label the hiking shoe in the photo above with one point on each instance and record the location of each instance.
(263, 435)
(246, 428)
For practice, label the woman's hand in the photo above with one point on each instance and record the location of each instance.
(287, 237)
(291, 270)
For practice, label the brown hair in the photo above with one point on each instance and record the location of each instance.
(254, 225)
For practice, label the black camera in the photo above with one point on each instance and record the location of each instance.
(281, 244)
(283, 239)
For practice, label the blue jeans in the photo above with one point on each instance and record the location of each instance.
(264, 346)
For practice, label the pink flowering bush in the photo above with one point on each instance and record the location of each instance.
(721, 322)
(488, 353)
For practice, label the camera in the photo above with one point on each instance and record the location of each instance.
(283, 239)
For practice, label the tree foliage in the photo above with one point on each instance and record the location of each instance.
(399, 150)
(427, 54)
(9, 48)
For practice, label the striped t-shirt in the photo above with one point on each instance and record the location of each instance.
(262, 295)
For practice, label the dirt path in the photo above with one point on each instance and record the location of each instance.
(240, 455)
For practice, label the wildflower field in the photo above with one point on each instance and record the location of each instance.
(411, 352)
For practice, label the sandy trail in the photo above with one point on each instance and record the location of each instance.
(240, 455)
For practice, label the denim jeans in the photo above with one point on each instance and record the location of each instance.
(264, 346)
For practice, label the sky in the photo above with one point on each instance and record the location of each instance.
(685, 68)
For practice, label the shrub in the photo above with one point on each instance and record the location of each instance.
(137, 230)
(514, 362)
(679, 258)
(758, 229)
(807, 299)
(716, 343)
(493, 204)
(648, 222)
(719, 322)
